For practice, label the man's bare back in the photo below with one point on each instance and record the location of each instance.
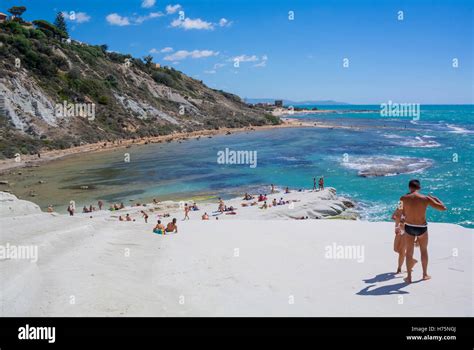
(414, 207)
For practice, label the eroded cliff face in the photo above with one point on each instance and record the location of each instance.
(49, 87)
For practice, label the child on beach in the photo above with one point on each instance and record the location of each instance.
(159, 228)
(205, 216)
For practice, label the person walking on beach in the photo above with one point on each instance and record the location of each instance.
(186, 211)
(321, 183)
(314, 183)
(100, 204)
(145, 216)
(413, 206)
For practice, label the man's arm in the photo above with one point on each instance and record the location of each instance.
(436, 203)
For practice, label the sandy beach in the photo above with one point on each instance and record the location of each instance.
(256, 263)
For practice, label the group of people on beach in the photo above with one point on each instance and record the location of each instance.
(411, 228)
(171, 227)
(320, 183)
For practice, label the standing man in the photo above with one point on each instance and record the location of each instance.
(321, 183)
(314, 183)
(413, 206)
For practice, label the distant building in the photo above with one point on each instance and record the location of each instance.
(3, 17)
(279, 103)
(157, 65)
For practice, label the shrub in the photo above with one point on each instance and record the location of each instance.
(111, 81)
(60, 62)
(163, 78)
(272, 119)
(37, 34)
(103, 100)
(74, 73)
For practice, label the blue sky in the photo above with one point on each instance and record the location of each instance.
(409, 60)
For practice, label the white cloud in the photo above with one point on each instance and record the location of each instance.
(210, 71)
(262, 63)
(245, 58)
(116, 20)
(189, 23)
(82, 17)
(183, 54)
(170, 9)
(148, 3)
(77, 17)
(163, 50)
(223, 22)
(151, 15)
(219, 65)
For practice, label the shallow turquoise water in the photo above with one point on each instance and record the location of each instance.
(291, 157)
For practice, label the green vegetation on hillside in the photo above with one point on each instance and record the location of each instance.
(67, 70)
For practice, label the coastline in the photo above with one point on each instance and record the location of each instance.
(287, 118)
(34, 160)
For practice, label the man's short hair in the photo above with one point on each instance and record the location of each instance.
(414, 184)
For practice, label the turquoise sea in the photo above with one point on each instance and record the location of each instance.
(437, 149)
